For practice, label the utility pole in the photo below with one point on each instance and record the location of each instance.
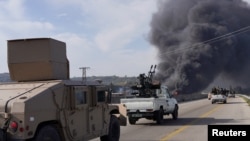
(84, 70)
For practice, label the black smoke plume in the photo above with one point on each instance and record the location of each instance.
(199, 40)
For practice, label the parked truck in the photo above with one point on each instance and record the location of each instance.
(42, 103)
(152, 100)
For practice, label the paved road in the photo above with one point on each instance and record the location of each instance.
(194, 118)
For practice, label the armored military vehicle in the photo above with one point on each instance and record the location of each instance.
(43, 104)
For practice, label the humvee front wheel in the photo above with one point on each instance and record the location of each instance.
(48, 133)
(114, 130)
(131, 120)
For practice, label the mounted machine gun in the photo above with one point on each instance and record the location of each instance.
(146, 86)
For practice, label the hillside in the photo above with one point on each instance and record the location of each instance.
(118, 84)
(115, 80)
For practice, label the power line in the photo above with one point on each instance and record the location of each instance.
(239, 31)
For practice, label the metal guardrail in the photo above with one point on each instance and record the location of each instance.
(244, 95)
(179, 98)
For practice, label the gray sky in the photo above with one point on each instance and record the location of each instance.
(109, 36)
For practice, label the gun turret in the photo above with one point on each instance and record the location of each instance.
(146, 86)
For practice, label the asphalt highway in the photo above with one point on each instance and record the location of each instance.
(192, 124)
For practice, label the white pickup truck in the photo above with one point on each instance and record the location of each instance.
(218, 98)
(152, 108)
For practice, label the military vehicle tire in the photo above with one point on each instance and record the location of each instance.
(159, 116)
(175, 113)
(48, 133)
(213, 102)
(131, 120)
(114, 130)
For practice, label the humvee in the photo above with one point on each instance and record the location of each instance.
(42, 103)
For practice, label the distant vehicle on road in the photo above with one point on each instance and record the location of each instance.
(209, 96)
(218, 95)
(231, 95)
(218, 98)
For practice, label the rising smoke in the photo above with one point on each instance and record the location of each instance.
(200, 40)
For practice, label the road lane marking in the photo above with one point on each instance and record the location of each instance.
(172, 134)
